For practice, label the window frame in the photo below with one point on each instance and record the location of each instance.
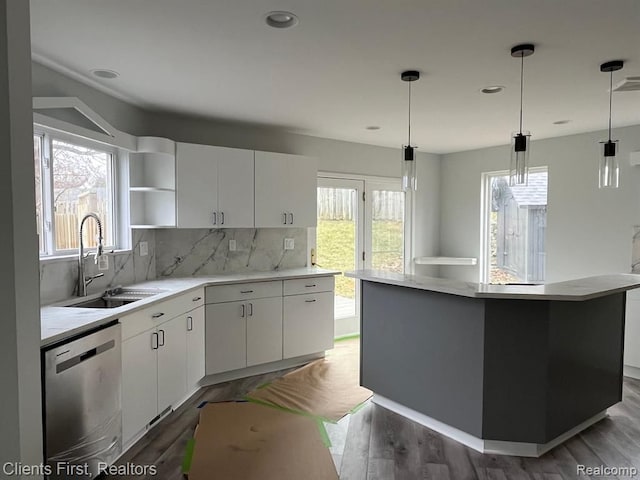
(485, 223)
(47, 136)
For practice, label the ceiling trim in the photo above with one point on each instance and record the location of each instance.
(86, 80)
(112, 135)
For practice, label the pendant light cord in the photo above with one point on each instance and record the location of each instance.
(521, 87)
(409, 139)
(610, 100)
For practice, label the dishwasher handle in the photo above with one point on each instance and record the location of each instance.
(84, 356)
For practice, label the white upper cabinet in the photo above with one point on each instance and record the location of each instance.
(214, 186)
(285, 190)
(235, 188)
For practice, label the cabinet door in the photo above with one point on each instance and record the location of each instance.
(172, 363)
(139, 383)
(226, 337)
(303, 185)
(632, 330)
(307, 324)
(264, 330)
(196, 185)
(285, 184)
(235, 188)
(195, 347)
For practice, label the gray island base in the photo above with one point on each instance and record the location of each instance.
(507, 370)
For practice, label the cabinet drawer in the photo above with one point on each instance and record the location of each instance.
(158, 313)
(243, 291)
(300, 286)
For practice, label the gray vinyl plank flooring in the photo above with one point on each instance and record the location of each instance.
(377, 444)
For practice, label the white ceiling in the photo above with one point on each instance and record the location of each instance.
(338, 70)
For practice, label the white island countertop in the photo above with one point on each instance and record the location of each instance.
(58, 322)
(571, 290)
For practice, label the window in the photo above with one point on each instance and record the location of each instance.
(73, 178)
(514, 227)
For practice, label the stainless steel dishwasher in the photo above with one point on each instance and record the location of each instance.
(83, 421)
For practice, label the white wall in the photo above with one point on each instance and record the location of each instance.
(426, 218)
(589, 230)
(20, 406)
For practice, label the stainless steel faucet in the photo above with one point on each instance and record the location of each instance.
(84, 281)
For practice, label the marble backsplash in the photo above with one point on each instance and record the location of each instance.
(58, 278)
(188, 252)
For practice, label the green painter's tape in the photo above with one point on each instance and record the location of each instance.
(347, 337)
(358, 407)
(188, 456)
(323, 433)
(264, 385)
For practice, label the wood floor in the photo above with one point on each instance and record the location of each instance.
(381, 445)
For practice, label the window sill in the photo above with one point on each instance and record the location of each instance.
(74, 256)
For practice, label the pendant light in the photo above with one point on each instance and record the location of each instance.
(609, 168)
(520, 147)
(408, 151)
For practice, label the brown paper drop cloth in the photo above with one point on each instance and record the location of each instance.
(246, 441)
(327, 388)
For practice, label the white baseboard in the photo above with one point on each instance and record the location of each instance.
(633, 372)
(494, 447)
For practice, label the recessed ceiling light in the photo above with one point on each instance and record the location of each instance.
(561, 122)
(281, 19)
(373, 127)
(492, 89)
(102, 73)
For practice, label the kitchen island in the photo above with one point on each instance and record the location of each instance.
(511, 370)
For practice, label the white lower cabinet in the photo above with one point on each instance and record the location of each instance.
(226, 337)
(139, 383)
(632, 330)
(195, 347)
(308, 325)
(172, 363)
(243, 334)
(264, 330)
(158, 366)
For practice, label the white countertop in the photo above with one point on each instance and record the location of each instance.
(571, 290)
(59, 323)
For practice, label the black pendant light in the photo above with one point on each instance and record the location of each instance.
(408, 151)
(609, 169)
(520, 146)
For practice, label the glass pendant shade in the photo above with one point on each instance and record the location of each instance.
(520, 150)
(409, 181)
(609, 169)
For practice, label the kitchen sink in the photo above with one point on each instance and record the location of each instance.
(101, 302)
(117, 297)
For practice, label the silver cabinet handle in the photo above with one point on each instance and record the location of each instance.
(222, 218)
(243, 311)
(310, 286)
(161, 343)
(195, 299)
(251, 309)
(291, 222)
(246, 291)
(157, 315)
(310, 301)
(154, 335)
(215, 218)
(285, 217)
(189, 324)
